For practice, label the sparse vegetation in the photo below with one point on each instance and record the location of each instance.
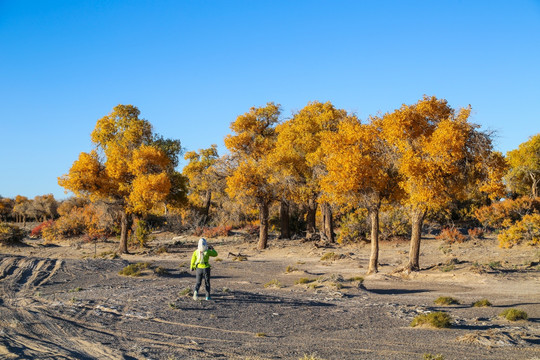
(161, 271)
(435, 319)
(446, 300)
(77, 289)
(260, 334)
(302, 281)
(185, 292)
(451, 235)
(10, 234)
(514, 314)
(273, 283)
(134, 269)
(332, 256)
(482, 303)
(360, 279)
(290, 269)
(428, 356)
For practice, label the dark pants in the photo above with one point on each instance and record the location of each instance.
(200, 273)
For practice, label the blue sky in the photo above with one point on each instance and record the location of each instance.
(192, 67)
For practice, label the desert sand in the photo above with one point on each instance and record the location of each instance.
(68, 301)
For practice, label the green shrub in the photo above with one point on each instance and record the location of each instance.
(134, 269)
(482, 303)
(446, 300)
(140, 235)
(514, 314)
(435, 319)
(356, 278)
(10, 234)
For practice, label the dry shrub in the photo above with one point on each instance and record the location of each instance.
(514, 314)
(353, 227)
(476, 233)
(482, 303)
(37, 231)
(10, 234)
(437, 319)
(451, 235)
(446, 300)
(526, 230)
(504, 214)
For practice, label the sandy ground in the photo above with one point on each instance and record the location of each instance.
(69, 302)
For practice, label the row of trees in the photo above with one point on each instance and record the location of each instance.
(424, 157)
(21, 208)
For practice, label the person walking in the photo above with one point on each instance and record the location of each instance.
(199, 263)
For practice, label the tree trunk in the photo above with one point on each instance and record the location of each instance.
(311, 218)
(284, 217)
(206, 206)
(374, 257)
(534, 186)
(417, 218)
(327, 222)
(263, 229)
(125, 223)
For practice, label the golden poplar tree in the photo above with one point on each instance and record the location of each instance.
(202, 178)
(125, 169)
(360, 173)
(297, 159)
(523, 177)
(439, 154)
(252, 140)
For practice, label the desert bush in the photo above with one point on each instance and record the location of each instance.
(10, 234)
(353, 227)
(161, 271)
(185, 292)
(482, 303)
(446, 300)
(331, 256)
(437, 319)
(451, 235)
(360, 279)
(527, 230)
(141, 232)
(290, 269)
(213, 232)
(134, 269)
(394, 222)
(433, 357)
(514, 314)
(304, 281)
(273, 283)
(476, 233)
(36, 231)
(504, 214)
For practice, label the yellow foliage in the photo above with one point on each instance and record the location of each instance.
(130, 172)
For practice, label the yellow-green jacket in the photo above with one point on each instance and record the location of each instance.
(195, 263)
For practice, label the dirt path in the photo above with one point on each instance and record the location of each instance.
(57, 305)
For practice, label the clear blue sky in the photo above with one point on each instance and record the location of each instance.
(192, 67)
